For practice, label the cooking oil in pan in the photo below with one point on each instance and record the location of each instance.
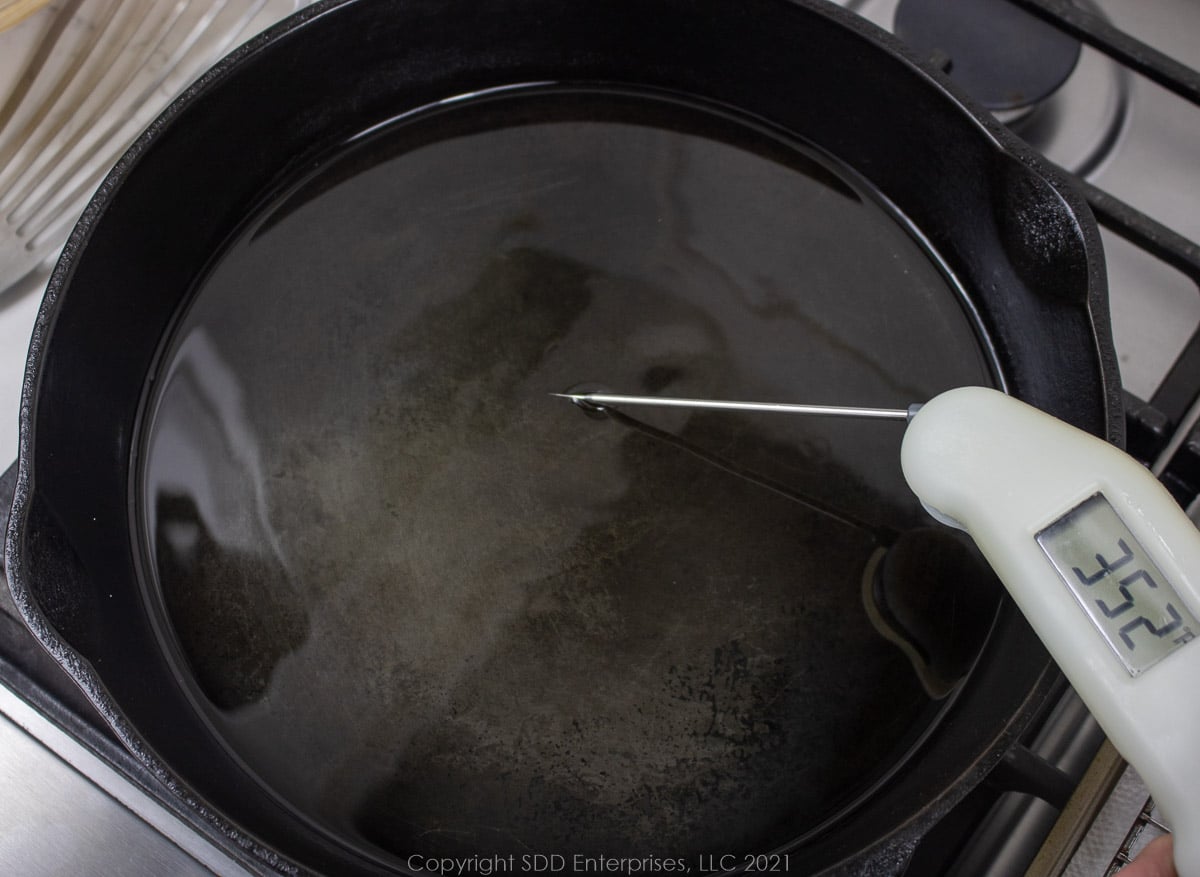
(438, 611)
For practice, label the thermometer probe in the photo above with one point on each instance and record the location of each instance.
(1096, 553)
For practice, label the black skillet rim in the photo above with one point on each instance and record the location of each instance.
(83, 669)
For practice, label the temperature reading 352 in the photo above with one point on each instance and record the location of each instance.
(1127, 597)
(1099, 557)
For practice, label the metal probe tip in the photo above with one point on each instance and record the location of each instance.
(582, 399)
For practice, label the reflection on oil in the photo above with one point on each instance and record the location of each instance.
(209, 523)
(881, 535)
(925, 593)
(233, 635)
(480, 621)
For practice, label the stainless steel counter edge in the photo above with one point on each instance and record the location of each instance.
(76, 814)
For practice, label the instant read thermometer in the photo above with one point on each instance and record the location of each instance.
(1095, 552)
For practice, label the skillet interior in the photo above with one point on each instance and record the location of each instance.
(487, 623)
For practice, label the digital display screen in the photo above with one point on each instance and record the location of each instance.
(1122, 590)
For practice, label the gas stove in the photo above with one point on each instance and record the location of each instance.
(1063, 802)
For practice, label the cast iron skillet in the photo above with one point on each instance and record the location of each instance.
(1016, 237)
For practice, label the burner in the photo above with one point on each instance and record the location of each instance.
(1004, 57)
(1079, 126)
(1068, 102)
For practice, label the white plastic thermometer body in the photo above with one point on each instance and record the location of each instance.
(1100, 559)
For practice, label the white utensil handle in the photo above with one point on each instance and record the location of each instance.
(1100, 559)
